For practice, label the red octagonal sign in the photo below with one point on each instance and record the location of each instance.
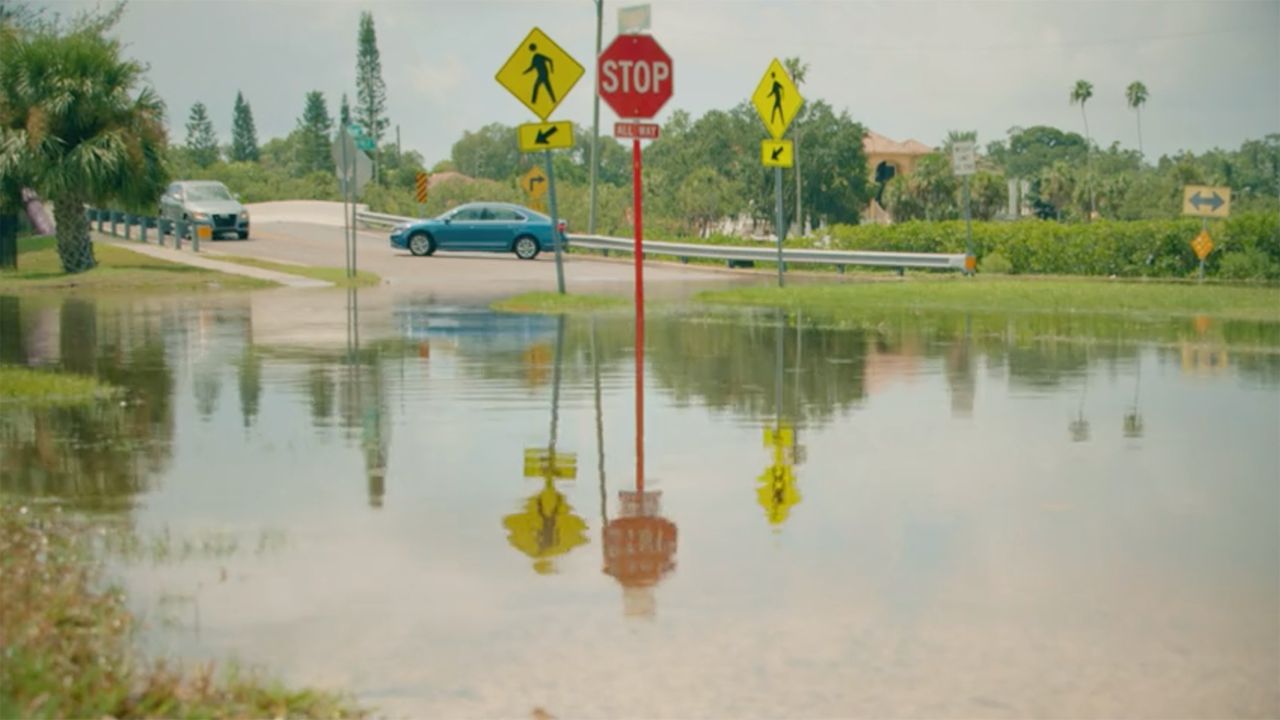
(635, 76)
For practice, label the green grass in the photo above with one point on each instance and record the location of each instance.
(43, 388)
(1006, 295)
(555, 303)
(68, 649)
(337, 276)
(118, 269)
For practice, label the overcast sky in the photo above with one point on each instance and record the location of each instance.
(904, 69)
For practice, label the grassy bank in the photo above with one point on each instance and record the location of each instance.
(337, 276)
(555, 303)
(67, 641)
(43, 389)
(1010, 295)
(118, 269)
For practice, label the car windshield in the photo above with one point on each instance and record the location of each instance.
(207, 192)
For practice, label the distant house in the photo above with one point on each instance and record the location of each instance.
(887, 159)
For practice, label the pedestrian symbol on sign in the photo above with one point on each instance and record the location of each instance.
(776, 94)
(544, 66)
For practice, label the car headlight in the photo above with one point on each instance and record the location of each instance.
(400, 228)
(244, 214)
(199, 216)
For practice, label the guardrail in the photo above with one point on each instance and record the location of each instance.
(736, 255)
(122, 224)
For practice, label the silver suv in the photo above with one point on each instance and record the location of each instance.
(206, 201)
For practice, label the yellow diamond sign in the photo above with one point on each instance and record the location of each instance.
(539, 73)
(777, 99)
(534, 183)
(777, 493)
(1203, 244)
(545, 527)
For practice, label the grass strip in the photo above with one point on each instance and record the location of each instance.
(43, 388)
(118, 269)
(67, 641)
(1005, 295)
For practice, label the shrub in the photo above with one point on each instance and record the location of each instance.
(1249, 265)
(996, 263)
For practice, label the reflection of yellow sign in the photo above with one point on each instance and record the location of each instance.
(777, 99)
(783, 437)
(541, 462)
(534, 183)
(545, 528)
(777, 493)
(1203, 244)
(1206, 201)
(777, 153)
(539, 73)
(545, 136)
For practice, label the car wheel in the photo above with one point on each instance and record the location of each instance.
(526, 248)
(421, 244)
(243, 235)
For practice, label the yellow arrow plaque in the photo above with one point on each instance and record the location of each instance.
(545, 136)
(777, 153)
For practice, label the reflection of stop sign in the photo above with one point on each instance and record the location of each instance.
(638, 551)
(635, 76)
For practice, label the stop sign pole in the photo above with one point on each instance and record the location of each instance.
(636, 79)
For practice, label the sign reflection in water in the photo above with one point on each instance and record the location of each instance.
(777, 492)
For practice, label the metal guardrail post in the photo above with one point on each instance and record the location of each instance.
(98, 216)
(114, 214)
(180, 229)
(142, 235)
(195, 236)
(161, 225)
(128, 227)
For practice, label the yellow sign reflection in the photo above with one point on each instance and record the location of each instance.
(546, 528)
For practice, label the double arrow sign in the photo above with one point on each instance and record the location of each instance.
(1206, 201)
(1213, 202)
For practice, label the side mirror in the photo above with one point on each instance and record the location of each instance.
(448, 220)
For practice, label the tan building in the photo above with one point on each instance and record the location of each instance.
(887, 159)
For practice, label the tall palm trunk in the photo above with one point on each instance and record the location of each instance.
(1088, 163)
(74, 249)
(1138, 110)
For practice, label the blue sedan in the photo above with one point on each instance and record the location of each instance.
(483, 227)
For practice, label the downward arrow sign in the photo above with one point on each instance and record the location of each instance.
(545, 135)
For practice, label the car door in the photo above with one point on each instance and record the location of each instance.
(464, 230)
(491, 226)
(507, 225)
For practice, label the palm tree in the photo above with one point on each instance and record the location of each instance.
(1080, 94)
(71, 125)
(798, 71)
(1136, 94)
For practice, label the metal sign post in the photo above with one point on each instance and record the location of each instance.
(556, 237)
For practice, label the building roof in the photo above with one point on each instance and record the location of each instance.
(873, 143)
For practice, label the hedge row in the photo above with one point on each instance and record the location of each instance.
(1245, 247)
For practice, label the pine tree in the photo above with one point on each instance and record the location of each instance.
(202, 143)
(244, 138)
(344, 112)
(371, 91)
(313, 129)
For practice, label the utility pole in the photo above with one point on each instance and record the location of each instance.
(595, 124)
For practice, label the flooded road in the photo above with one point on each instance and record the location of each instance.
(913, 515)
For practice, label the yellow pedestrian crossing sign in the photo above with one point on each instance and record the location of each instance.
(539, 73)
(546, 527)
(545, 136)
(534, 183)
(777, 493)
(777, 153)
(777, 99)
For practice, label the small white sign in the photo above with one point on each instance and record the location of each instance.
(964, 158)
(633, 19)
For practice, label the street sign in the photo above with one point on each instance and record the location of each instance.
(777, 153)
(777, 99)
(357, 163)
(545, 136)
(362, 141)
(420, 184)
(633, 19)
(964, 158)
(636, 76)
(534, 183)
(1202, 245)
(777, 493)
(539, 73)
(1206, 201)
(640, 550)
(636, 131)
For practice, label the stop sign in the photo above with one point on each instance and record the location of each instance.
(635, 76)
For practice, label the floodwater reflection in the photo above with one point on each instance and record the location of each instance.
(867, 510)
